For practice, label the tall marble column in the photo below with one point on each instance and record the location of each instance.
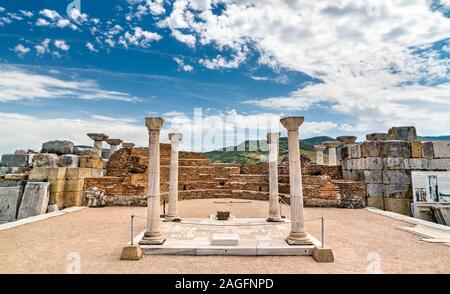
(114, 145)
(298, 235)
(153, 235)
(98, 140)
(319, 153)
(172, 213)
(331, 145)
(347, 141)
(274, 203)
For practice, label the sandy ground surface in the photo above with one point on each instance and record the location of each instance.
(98, 236)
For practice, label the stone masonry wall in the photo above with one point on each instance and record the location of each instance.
(126, 180)
(385, 166)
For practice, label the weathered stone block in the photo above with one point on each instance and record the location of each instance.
(427, 150)
(45, 160)
(69, 160)
(398, 205)
(58, 147)
(372, 163)
(441, 149)
(73, 199)
(375, 190)
(395, 149)
(10, 198)
(356, 151)
(373, 176)
(74, 185)
(417, 163)
(398, 191)
(394, 163)
(416, 149)
(79, 173)
(91, 162)
(52, 208)
(323, 254)
(377, 202)
(396, 177)
(376, 137)
(439, 164)
(370, 149)
(11, 160)
(402, 133)
(47, 173)
(35, 199)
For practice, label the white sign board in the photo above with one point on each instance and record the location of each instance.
(431, 187)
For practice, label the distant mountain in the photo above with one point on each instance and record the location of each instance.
(259, 150)
(434, 138)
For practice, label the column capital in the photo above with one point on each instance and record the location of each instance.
(97, 137)
(331, 144)
(319, 147)
(273, 138)
(114, 141)
(175, 137)
(154, 123)
(347, 139)
(292, 123)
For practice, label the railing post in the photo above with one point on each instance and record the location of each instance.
(322, 232)
(132, 225)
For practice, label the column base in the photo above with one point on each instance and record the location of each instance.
(152, 239)
(172, 219)
(275, 220)
(298, 239)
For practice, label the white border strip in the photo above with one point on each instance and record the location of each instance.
(409, 219)
(40, 217)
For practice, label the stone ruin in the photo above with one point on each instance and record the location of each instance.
(33, 183)
(126, 180)
(376, 172)
(384, 162)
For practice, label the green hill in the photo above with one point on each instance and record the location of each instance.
(241, 154)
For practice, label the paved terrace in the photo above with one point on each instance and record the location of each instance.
(98, 235)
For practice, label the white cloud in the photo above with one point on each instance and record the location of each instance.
(19, 84)
(40, 22)
(182, 66)
(139, 37)
(21, 50)
(364, 53)
(78, 17)
(91, 47)
(37, 130)
(62, 23)
(61, 44)
(42, 48)
(2, 9)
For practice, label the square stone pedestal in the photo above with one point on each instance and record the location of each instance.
(201, 237)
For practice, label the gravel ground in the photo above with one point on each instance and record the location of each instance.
(98, 236)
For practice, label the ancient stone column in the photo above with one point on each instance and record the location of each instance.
(114, 145)
(98, 139)
(153, 235)
(347, 141)
(172, 213)
(319, 153)
(298, 235)
(274, 204)
(331, 145)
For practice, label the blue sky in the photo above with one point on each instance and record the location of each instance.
(349, 67)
